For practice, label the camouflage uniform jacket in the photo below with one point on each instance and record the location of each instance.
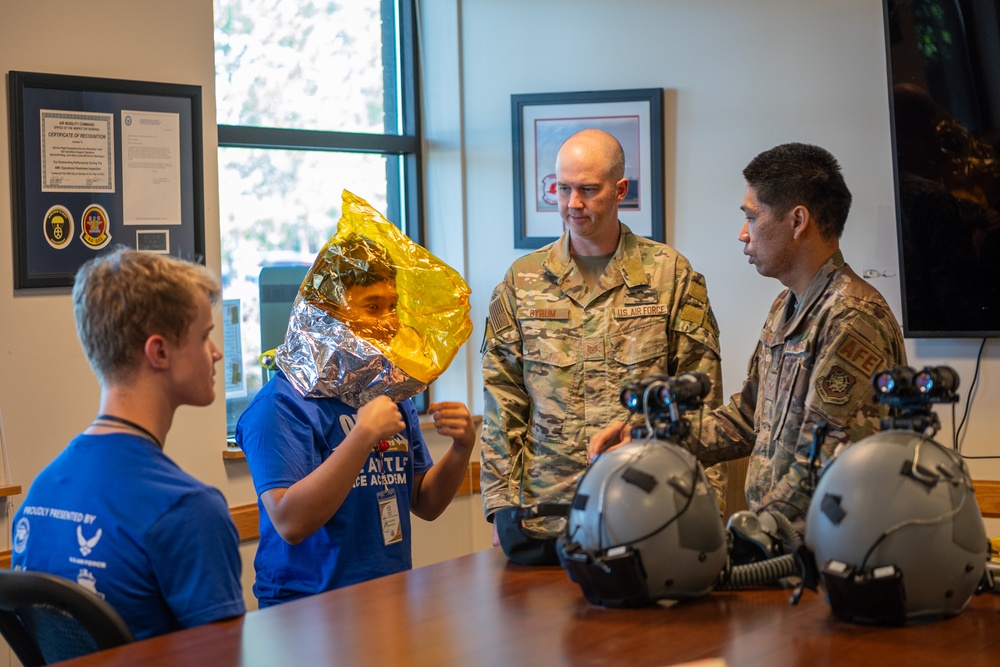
(813, 363)
(557, 353)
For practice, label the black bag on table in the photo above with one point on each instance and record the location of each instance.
(519, 545)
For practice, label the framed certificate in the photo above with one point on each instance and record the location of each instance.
(101, 162)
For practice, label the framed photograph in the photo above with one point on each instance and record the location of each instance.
(542, 121)
(102, 162)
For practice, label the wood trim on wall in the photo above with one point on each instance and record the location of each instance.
(470, 483)
(988, 496)
(246, 518)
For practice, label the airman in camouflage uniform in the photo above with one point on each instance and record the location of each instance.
(558, 353)
(824, 337)
(813, 363)
(570, 325)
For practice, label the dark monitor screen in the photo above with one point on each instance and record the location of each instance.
(944, 96)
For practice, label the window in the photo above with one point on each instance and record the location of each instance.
(313, 98)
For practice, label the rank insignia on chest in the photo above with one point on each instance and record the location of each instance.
(593, 350)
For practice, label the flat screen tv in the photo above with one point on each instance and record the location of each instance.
(944, 95)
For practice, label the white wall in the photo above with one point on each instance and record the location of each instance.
(739, 78)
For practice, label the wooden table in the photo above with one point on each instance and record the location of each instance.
(480, 610)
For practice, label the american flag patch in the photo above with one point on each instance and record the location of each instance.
(499, 319)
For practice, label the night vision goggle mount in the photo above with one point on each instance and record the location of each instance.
(662, 400)
(910, 394)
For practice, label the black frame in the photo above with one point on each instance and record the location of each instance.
(37, 263)
(614, 100)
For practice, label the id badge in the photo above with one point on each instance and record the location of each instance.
(388, 512)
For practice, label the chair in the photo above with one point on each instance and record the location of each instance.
(46, 619)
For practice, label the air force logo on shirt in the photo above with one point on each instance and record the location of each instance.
(87, 545)
(21, 535)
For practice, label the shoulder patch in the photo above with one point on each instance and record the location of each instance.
(690, 313)
(698, 291)
(859, 354)
(835, 386)
(499, 319)
(713, 323)
(866, 330)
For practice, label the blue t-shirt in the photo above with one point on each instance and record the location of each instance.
(285, 437)
(116, 515)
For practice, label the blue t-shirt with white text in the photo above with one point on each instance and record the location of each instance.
(116, 515)
(286, 436)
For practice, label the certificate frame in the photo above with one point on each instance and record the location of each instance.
(76, 194)
(540, 122)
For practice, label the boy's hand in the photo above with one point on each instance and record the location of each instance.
(452, 418)
(381, 418)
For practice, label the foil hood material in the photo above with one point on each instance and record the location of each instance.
(331, 350)
(323, 358)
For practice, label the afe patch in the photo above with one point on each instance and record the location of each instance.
(859, 354)
(835, 386)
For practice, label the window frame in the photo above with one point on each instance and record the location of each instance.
(403, 190)
(404, 177)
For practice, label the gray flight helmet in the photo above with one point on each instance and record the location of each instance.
(644, 525)
(896, 530)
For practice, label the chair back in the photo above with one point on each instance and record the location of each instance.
(46, 618)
